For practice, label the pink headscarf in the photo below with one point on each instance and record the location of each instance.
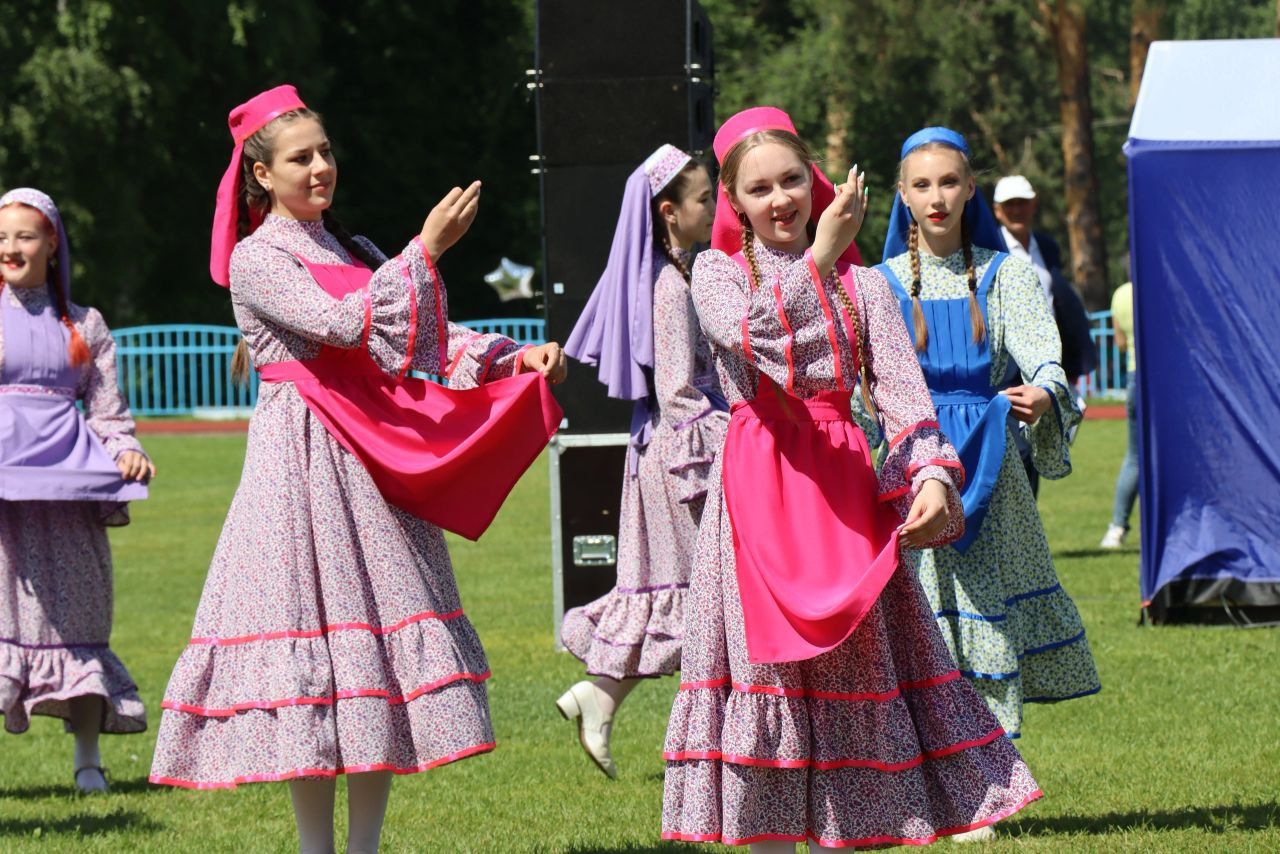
(726, 233)
(244, 121)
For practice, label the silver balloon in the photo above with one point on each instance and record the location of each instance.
(511, 280)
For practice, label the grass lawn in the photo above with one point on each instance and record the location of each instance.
(1179, 753)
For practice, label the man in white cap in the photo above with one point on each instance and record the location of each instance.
(1016, 206)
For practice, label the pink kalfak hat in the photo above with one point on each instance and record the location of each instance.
(244, 121)
(726, 233)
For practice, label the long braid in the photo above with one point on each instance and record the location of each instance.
(77, 349)
(917, 309)
(675, 260)
(749, 250)
(864, 369)
(975, 311)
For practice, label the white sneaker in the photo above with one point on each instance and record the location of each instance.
(594, 726)
(1114, 537)
(981, 834)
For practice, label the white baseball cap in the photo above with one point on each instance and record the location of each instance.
(1013, 187)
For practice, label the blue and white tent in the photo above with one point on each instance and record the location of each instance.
(1204, 221)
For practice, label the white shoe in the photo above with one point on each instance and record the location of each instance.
(1114, 537)
(981, 834)
(91, 780)
(594, 726)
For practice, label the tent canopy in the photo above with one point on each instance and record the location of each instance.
(1204, 223)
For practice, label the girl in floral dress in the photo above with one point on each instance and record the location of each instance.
(679, 423)
(65, 475)
(330, 638)
(974, 311)
(818, 700)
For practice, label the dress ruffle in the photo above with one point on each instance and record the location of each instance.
(879, 741)
(43, 681)
(689, 452)
(322, 702)
(628, 633)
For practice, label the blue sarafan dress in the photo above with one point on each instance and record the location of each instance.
(1013, 629)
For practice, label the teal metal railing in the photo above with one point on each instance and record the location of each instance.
(176, 369)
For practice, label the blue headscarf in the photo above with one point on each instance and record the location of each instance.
(983, 230)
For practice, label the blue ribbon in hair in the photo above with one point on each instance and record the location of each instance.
(983, 229)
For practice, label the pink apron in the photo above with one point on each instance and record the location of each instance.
(812, 544)
(449, 457)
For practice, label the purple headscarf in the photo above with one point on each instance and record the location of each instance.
(615, 331)
(32, 197)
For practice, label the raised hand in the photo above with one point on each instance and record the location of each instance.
(839, 223)
(450, 219)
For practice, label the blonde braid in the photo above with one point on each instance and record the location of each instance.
(749, 250)
(864, 369)
(917, 309)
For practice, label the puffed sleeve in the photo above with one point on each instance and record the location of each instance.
(401, 317)
(916, 450)
(105, 410)
(1030, 337)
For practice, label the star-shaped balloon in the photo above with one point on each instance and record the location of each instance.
(511, 280)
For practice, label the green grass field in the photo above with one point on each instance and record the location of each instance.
(1180, 752)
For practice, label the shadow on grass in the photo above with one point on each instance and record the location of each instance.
(79, 824)
(1096, 552)
(660, 848)
(135, 786)
(1218, 819)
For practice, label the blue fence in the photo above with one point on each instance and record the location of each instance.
(1110, 378)
(177, 369)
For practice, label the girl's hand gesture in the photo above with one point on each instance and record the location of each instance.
(840, 222)
(928, 516)
(1029, 402)
(548, 360)
(450, 219)
(135, 466)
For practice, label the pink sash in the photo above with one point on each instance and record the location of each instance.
(449, 457)
(812, 544)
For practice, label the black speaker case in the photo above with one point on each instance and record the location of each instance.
(593, 465)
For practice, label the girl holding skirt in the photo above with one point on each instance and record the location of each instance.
(65, 476)
(973, 312)
(818, 701)
(330, 638)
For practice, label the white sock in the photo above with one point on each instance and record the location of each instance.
(367, 795)
(313, 812)
(86, 721)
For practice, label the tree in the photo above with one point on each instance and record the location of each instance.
(1066, 22)
(1147, 15)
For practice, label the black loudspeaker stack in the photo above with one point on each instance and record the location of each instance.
(613, 80)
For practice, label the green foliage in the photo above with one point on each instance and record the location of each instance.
(117, 109)
(986, 69)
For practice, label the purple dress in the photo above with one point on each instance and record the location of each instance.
(880, 740)
(59, 488)
(637, 628)
(330, 637)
